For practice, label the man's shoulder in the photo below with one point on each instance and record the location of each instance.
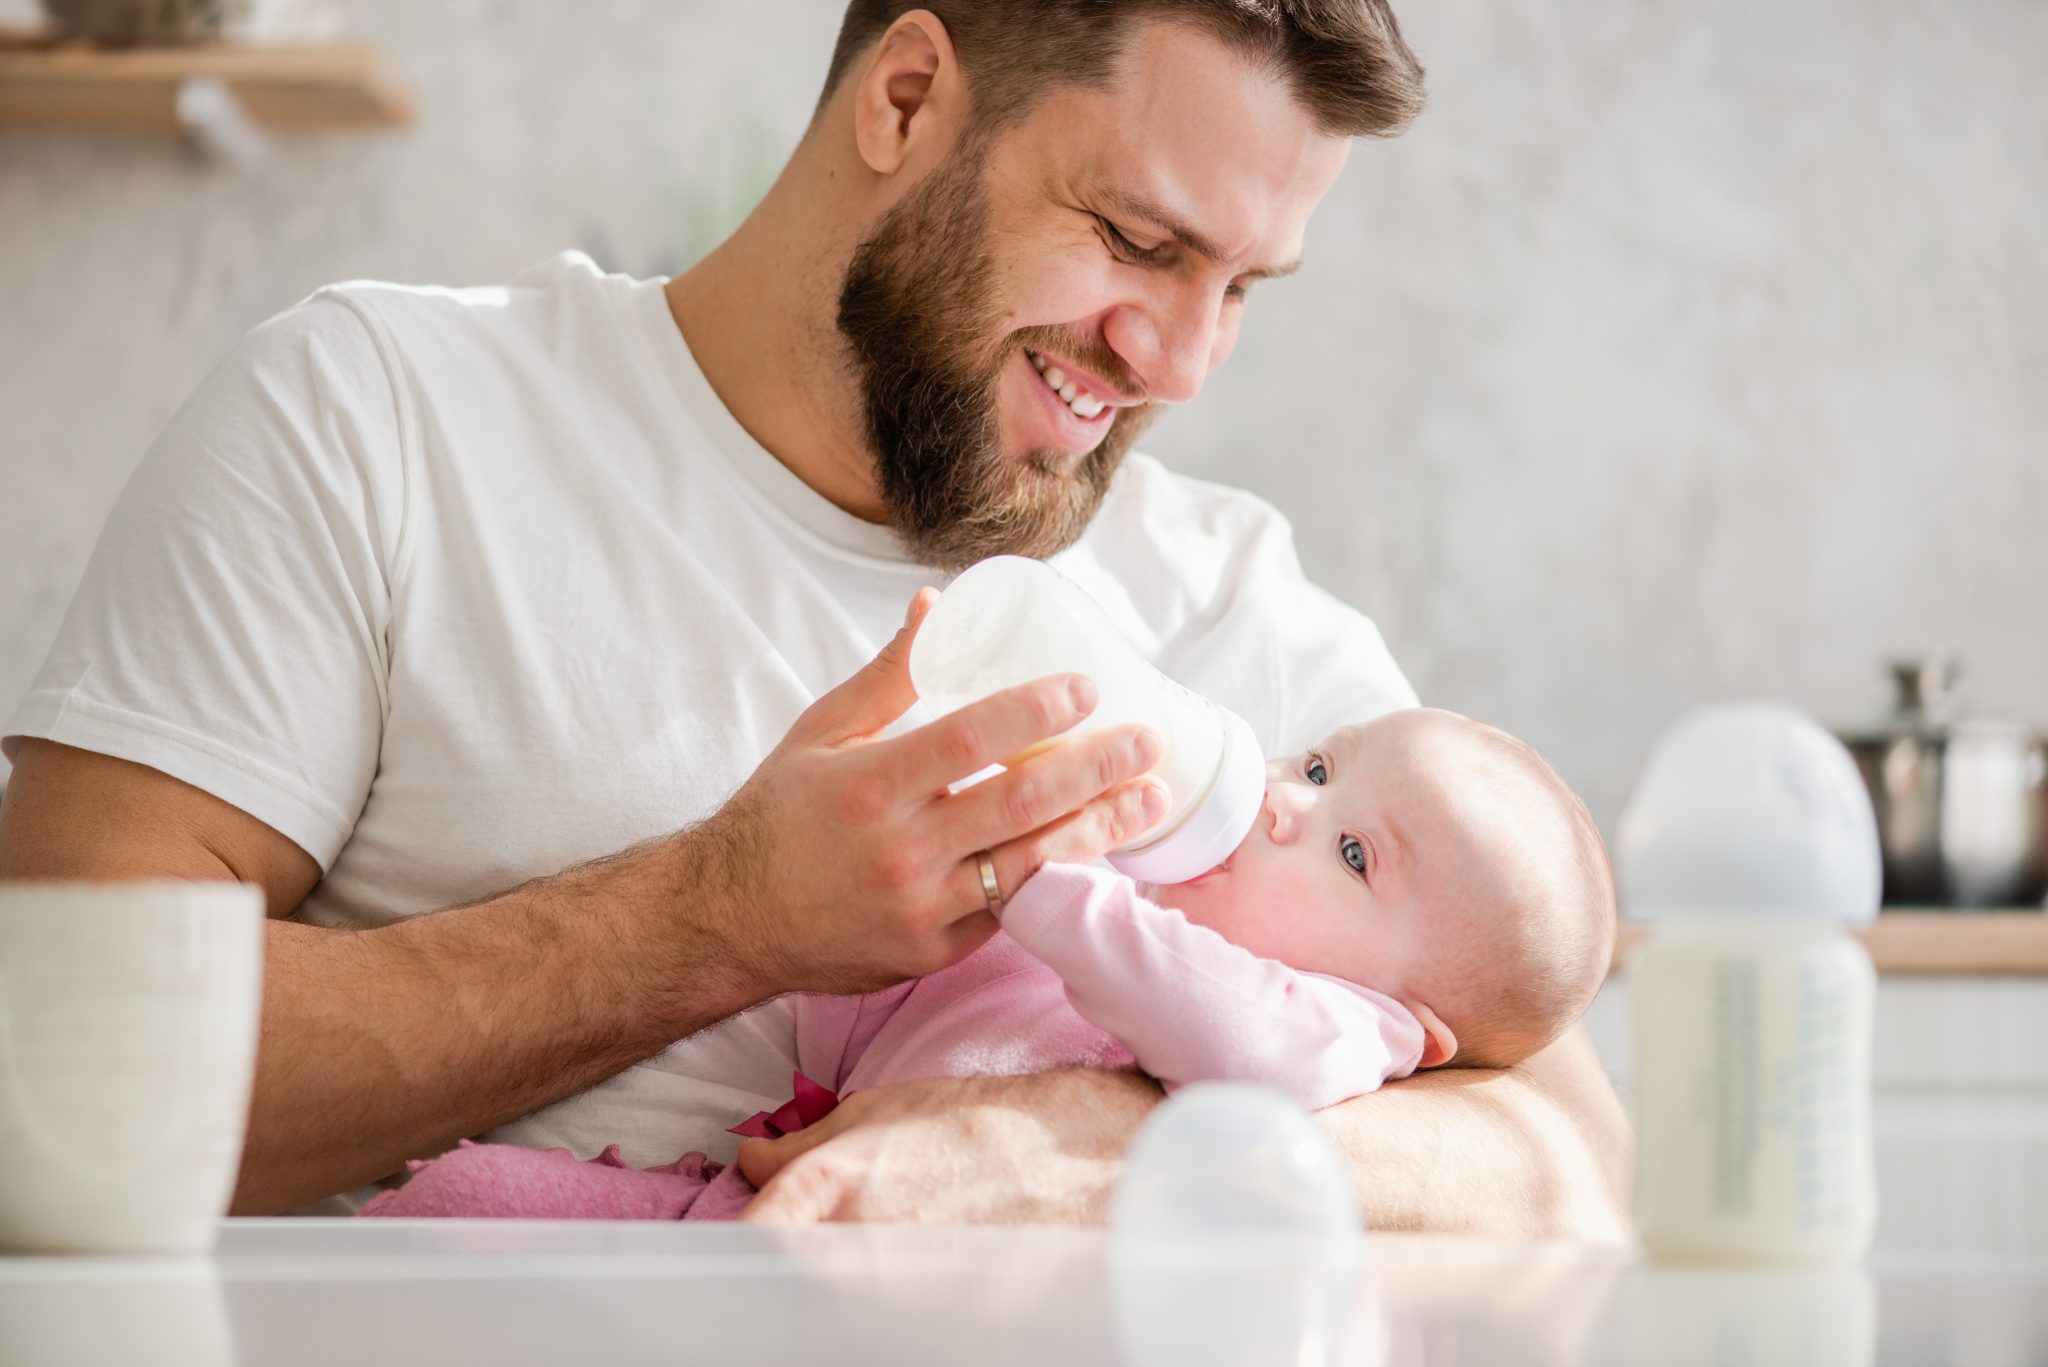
(552, 298)
(472, 354)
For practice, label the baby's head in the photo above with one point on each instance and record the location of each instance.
(1435, 860)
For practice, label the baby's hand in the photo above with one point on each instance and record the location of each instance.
(1061, 890)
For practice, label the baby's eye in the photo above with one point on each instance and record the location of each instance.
(1315, 772)
(1353, 852)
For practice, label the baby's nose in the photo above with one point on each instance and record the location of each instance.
(1286, 802)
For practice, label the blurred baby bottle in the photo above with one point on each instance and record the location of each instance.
(1008, 620)
(1751, 845)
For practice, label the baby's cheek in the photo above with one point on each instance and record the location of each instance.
(1416, 960)
(1388, 967)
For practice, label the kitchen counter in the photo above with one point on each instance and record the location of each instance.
(310, 1292)
(1918, 940)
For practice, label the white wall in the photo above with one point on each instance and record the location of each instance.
(1682, 351)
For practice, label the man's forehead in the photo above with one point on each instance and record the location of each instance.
(1190, 127)
(1248, 218)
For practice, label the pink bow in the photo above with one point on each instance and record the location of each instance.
(811, 1104)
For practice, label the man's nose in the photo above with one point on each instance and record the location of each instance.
(1288, 804)
(1171, 342)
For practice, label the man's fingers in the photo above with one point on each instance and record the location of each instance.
(798, 1186)
(806, 1193)
(1116, 818)
(1046, 787)
(920, 604)
(969, 933)
(993, 730)
(761, 1159)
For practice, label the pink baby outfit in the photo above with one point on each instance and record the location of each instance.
(1085, 973)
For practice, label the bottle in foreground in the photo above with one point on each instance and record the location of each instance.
(1009, 620)
(1234, 1238)
(1751, 845)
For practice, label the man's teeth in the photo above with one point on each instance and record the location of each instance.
(1084, 404)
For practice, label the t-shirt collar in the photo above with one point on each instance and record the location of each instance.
(748, 458)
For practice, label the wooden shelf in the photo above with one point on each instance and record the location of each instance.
(74, 85)
(1915, 940)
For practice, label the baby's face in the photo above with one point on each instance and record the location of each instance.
(1361, 860)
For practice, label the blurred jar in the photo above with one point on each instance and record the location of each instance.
(189, 21)
(1962, 804)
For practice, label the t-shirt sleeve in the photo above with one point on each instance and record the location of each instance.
(1193, 1007)
(232, 626)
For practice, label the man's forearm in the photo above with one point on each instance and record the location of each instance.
(383, 1045)
(1539, 1151)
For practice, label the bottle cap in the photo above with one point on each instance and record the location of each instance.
(1750, 810)
(1218, 821)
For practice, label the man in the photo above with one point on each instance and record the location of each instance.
(427, 595)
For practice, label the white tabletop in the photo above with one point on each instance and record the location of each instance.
(309, 1292)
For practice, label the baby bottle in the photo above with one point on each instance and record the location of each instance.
(1008, 620)
(1751, 844)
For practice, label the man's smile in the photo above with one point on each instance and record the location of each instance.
(1072, 415)
(1086, 394)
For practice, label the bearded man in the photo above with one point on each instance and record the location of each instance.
(529, 607)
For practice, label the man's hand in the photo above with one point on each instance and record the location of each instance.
(1037, 1150)
(844, 864)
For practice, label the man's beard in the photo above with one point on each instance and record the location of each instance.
(918, 313)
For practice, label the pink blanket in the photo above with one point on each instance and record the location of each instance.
(506, 1182)
(998, 1011)
(1082, 953)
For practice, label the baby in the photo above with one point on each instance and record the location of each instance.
(1419, 891)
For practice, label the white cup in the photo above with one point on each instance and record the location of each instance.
(128, 1025)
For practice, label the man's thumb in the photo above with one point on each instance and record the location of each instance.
(878, 693)
(761, 1159)
(800, 1194)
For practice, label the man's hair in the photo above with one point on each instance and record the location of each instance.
(1344, 59)
(1543, 975)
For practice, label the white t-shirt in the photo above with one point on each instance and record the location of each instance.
(456, 588)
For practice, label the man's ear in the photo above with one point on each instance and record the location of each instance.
(910, 93)
(1439, 1045)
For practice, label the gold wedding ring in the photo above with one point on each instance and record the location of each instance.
(989, 888)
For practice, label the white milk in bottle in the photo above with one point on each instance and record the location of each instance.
(1008, 620)
(1751, 847)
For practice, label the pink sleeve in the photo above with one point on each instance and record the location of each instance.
(1192, 1007)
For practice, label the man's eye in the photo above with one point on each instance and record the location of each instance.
(1353, 852)
(1121, 245)
(1315, 772)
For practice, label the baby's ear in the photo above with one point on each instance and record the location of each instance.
(1439, 1045)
